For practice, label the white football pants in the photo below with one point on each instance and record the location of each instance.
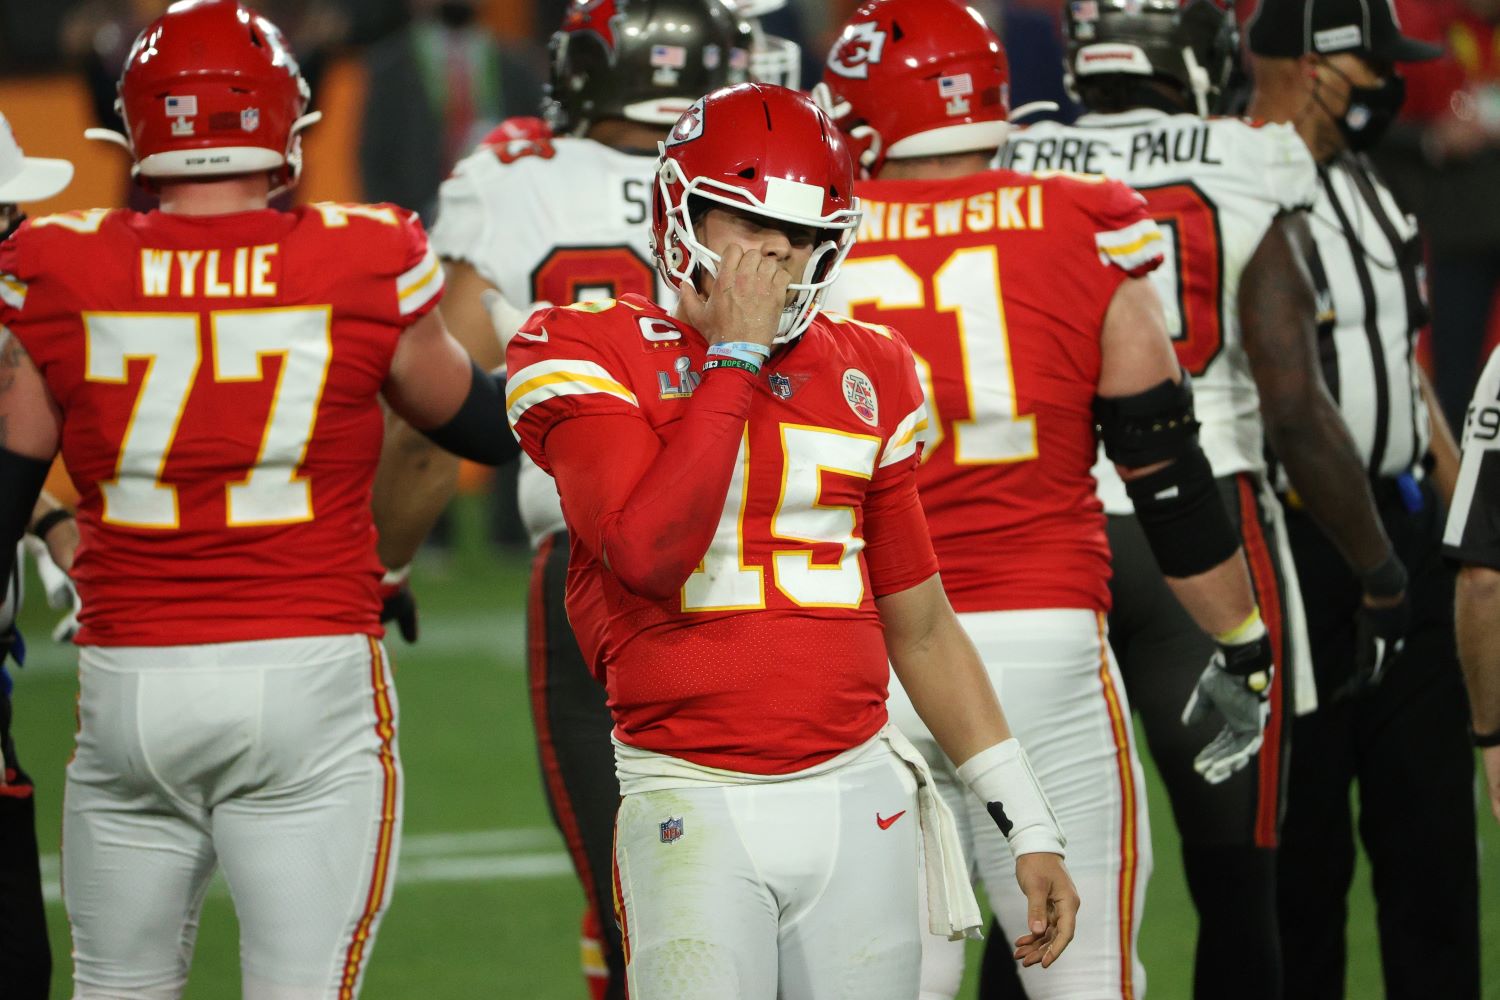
(275, 761)
(804, 889)
(1064, 699)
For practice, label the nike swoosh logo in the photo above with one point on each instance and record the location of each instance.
(540, 338)
(884, 822)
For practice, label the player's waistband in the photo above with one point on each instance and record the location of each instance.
(299, 651)
(648, 771)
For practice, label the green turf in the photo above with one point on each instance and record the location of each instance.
(471, 770)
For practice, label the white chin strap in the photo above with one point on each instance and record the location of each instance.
(1198, 80)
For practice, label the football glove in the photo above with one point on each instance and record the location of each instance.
(1236, 684)
(1380, 634)
(61, 594)
(398, 603)
(13, 647)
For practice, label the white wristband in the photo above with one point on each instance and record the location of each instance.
(1002, 778)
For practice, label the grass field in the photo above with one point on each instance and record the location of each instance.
(485, 904)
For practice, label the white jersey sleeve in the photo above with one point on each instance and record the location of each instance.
(463, 219)
(1276, 155)
(1473, 532)
(556, 228)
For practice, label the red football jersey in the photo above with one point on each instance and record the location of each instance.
(1000, 283)
(772, 657)
(219, 380)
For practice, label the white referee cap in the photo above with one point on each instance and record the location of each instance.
(28, 178)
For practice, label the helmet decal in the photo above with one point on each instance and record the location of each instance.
(641, 60)
(597, 16)
(937, 86)
(211, 89)
(859, 46)
(689, 126)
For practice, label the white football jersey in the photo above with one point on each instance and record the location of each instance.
(563, 228)
(1214, 186)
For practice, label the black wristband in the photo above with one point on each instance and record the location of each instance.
(1386, 580)
(50, 520)
(1486, 740)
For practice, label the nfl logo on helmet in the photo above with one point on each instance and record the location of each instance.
(671, 831)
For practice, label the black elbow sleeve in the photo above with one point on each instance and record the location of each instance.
(1178, 506)
(21, 481)
(479, 431)
(1152, 426)
(1183, 517)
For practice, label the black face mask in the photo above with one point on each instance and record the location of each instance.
(1371, 111)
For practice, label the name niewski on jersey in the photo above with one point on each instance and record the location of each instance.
(1004, 208)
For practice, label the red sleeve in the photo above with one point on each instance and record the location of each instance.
(649, 512)
(12, 284)
(898, 547)
(1125, 236)
(419, 280)
(560, 366)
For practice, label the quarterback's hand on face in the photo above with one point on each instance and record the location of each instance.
(740, 304)
(398, 603)
(1235, 685)
(1051, 908)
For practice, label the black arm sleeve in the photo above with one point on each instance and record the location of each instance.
(479, 431)
(21, 480)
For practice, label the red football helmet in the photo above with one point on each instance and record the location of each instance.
(211, 88)
(911, 78)
(764, 148)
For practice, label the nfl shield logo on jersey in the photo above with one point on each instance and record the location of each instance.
(780, 385)
(671, 831)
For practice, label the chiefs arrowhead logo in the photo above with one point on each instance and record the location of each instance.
(859, 47)
(689, 126)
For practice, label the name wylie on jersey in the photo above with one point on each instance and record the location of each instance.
(244, 272)
(986, 212)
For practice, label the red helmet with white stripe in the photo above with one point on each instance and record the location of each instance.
(911, 78)
(211, 88)
(767, 150)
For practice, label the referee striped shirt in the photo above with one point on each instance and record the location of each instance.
(1473, 533)
(1367, 271)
